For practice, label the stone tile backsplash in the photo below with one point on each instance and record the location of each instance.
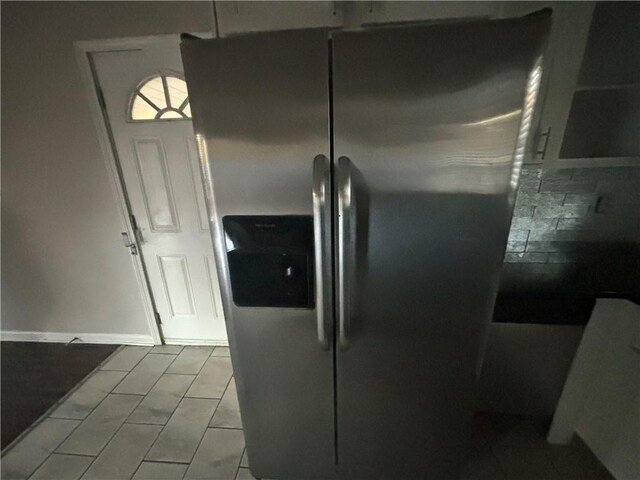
(575, 230)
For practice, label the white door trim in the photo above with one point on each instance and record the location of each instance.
(83, 50)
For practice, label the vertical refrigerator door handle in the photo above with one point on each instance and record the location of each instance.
(346, 246)
(321, 245)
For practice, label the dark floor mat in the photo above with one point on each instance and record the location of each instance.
(36, 375)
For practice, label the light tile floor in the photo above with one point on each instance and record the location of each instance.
(171, 412)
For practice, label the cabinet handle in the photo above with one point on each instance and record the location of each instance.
(544, 135)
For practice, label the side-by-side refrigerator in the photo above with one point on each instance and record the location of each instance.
(360, 187)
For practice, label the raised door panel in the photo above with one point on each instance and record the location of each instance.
(155, 185)
(177, 284)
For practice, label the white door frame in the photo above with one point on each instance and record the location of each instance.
(83, 50)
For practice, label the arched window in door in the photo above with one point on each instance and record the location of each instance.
(159, 98)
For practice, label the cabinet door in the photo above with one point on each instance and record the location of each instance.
(566, 44)
(244, 17)
(604, 120)
(391, 12)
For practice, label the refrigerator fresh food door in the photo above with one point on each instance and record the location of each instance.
(430, 126)
(260, 108)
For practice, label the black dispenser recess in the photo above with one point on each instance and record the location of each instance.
(270, 260)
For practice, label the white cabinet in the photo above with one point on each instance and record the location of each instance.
(243, 17)
(590, 99)
(376, 12)
(566, 44)
(604, 120)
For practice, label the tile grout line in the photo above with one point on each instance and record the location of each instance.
(139, 465)
(110, 392)
(145, 396)
(241, 429)
(203, 363)
(149, 391)
(80, 422)
(244, 451)
(106, 443)
(122, 347)
(195, 378)
(179, 402)
(148, 449)
(151, 446)
(165, 424)
(105, 446)
(200, 442)
(83, 455)
(52, 452)
(219, 401)
(170, 462)
(202, 437)
(239, 462)
(100, 403)
(154, 383)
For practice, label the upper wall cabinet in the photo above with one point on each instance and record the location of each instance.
(376, 12)
(604, 119)
(243, 17)
(235, 17)
(591, 96)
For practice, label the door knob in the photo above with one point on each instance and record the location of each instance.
(129, 244)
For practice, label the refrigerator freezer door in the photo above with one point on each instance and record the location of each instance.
(260, 107)
(434, 122)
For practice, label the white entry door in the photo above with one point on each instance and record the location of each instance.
(149, 114)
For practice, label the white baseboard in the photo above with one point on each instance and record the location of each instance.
(219, 342)
(59, 337)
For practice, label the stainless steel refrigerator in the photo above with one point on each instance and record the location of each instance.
(360, 187)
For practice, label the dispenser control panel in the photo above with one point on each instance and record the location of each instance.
(270, 260)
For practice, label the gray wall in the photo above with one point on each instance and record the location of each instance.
(63, 265)
(575, 230)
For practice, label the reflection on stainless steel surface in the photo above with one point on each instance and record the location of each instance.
(531, 95)
(430, 128)
(260, 104)
(322, 246)
(347, 218)
(436, 121)
(493, 120)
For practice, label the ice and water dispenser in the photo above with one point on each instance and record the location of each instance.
(270, 260)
